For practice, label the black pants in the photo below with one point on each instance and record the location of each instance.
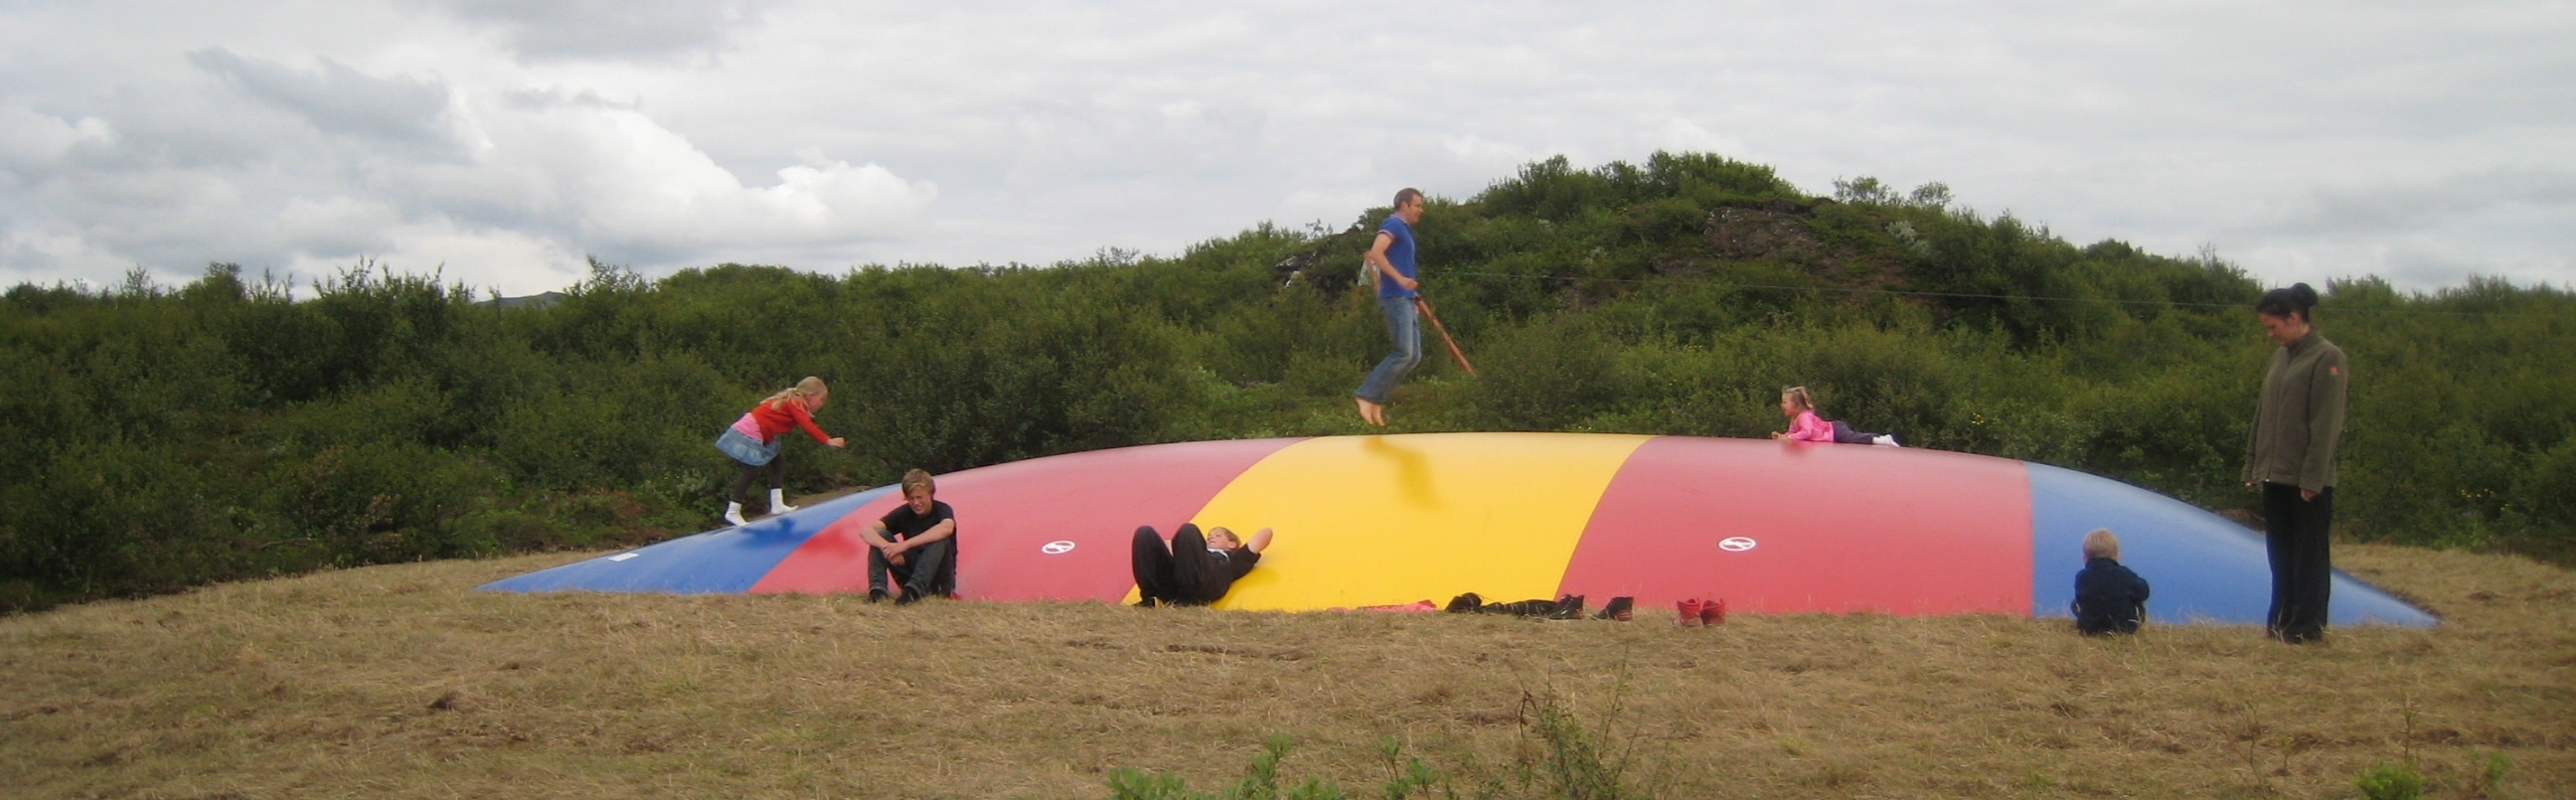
(777, 469)
(928, 571)
(1181, 574)
(2295, 532)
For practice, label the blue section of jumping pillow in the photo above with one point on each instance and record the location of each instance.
(2202, 567)
(721, 561)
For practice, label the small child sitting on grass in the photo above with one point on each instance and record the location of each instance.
(2108, 597)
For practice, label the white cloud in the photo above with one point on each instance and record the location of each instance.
(51, 255)
(337, 99)
(483, 260)
(2304, 140)
(1684, 136)
(627, 188)
(298, 168)
(33, 144)
(2418, 204)
(609, 29)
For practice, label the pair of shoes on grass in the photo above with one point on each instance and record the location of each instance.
(908, 597)
(1694, 613)
(2294, 637)
(1569, 606)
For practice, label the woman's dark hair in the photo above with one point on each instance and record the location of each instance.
(2285, 303)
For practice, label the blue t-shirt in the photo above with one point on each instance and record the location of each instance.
(1398, 253)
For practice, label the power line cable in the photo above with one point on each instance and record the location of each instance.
(1975, 296)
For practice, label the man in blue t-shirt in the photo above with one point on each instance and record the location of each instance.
(1390, 258)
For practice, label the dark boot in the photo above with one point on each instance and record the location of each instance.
(1622, 609)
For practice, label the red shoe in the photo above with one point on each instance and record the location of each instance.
(1690, 611)
(1713, 612)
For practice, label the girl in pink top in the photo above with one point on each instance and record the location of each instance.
(1805, 426)
(753, 441)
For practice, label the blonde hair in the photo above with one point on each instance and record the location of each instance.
(809, 387)
(1797, 396)
(2101, 543)
(920, 479)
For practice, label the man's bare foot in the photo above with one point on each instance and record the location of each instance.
(1371, 413)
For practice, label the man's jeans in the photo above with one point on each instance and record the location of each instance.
(930, 571)
(1404, 325)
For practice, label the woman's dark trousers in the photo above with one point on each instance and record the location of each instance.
(2295, 534)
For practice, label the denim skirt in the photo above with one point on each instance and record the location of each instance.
(746, 449)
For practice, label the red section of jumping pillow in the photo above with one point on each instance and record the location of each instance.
(1054, 528)
(1788, 527)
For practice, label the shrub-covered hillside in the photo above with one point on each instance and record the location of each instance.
(161, 437)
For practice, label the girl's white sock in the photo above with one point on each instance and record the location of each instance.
(778, 502)
(733, 513)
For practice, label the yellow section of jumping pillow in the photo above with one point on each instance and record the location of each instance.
(1416, 516)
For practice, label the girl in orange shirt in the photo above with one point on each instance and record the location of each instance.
(753, 441)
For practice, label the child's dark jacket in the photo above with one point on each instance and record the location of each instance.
(2109, 598)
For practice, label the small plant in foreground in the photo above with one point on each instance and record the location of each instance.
(2391, 782)
(1261, 779)
(1413, 775)
(2490, 779)
(1571, 762)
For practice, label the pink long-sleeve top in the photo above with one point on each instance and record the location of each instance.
(1808, 428)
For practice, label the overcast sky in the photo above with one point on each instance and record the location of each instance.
(502, 141)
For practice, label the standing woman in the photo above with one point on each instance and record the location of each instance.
(753, 442)
(2292, 456)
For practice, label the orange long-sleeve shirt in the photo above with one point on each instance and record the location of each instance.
(767, 420)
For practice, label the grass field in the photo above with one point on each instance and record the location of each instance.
(404, 681)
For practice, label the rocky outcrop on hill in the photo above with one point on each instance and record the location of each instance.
(1774, 230)
(1779, 231)
(1330, 264)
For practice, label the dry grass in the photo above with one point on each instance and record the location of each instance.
(404, 681)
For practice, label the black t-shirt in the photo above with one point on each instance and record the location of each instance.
(904, 524)
(1233, 564)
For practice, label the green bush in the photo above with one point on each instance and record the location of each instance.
(1543, 377)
